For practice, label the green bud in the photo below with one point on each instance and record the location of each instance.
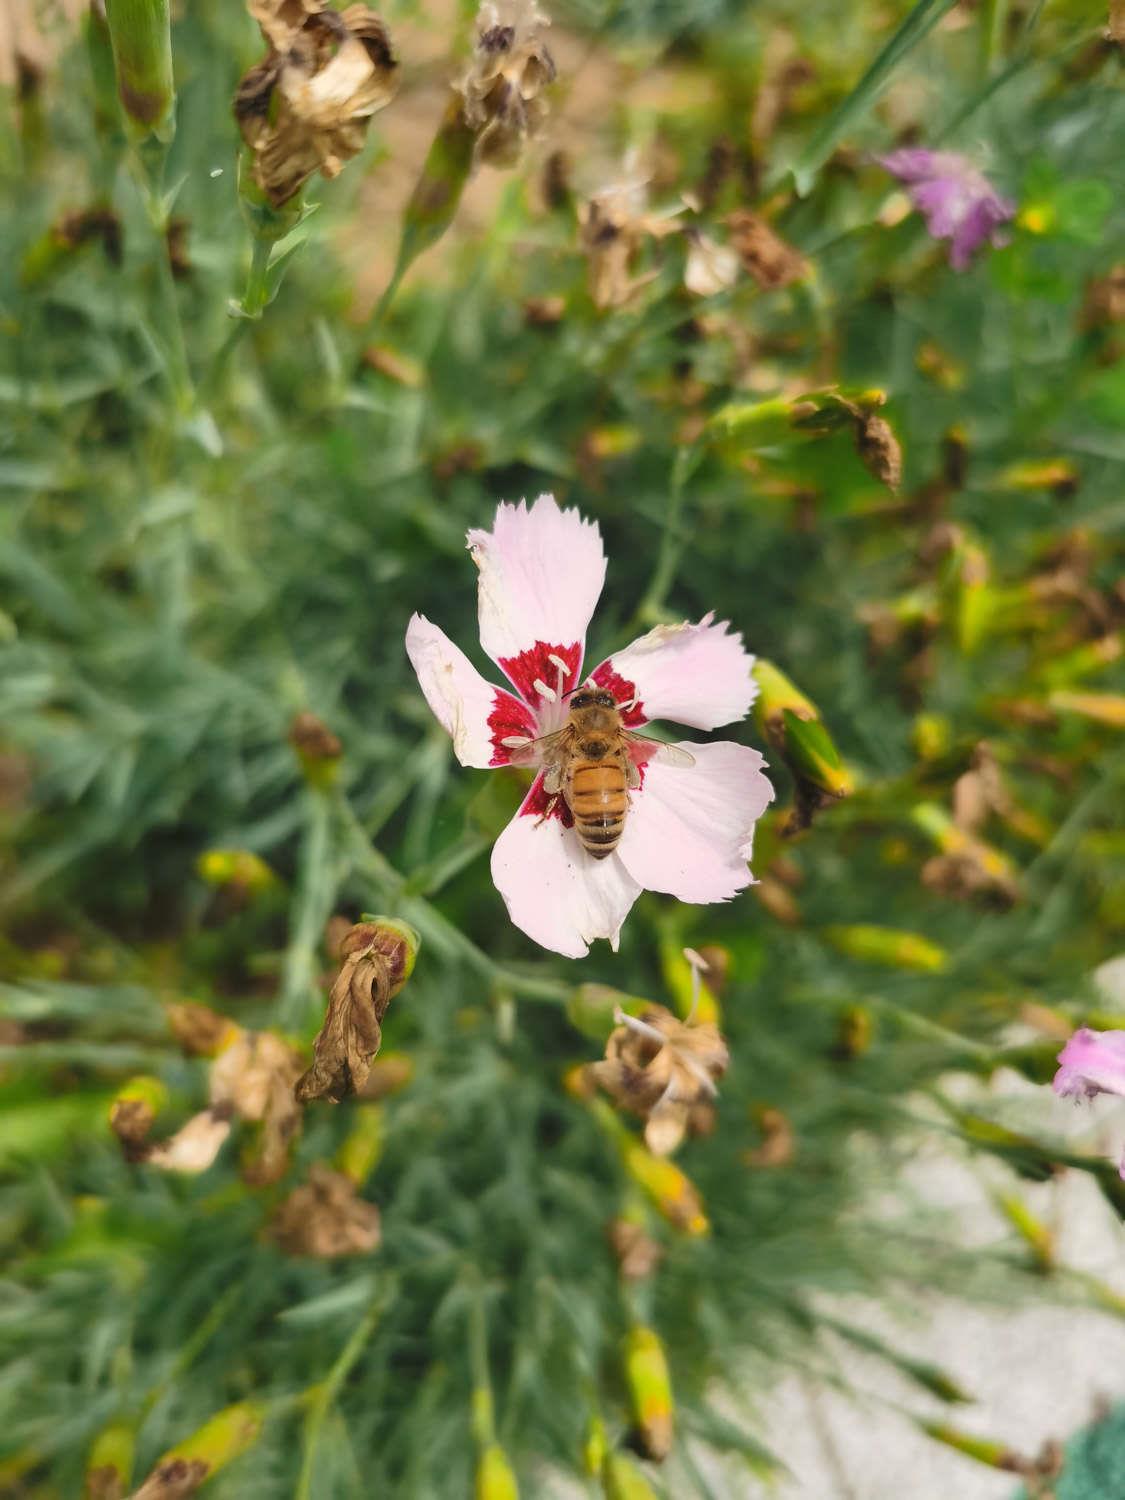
(595, 1446)
(590, 1009)
(887, 946)
(496, 1479)
(650, 1391)
(1033, 1231)
(142, 53)
(984, 1450)
(438, 190)
(227, 1435)
(622, 1479)
(813, 757)
(361, 1148)
(109, 1465)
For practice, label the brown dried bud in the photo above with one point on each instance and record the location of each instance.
(200, 1031)
(312, 739)
(176, 237)
(544, 312)
(377, 958)
(511, 66)
(174, 1479)
(131, 1120)
(777, 1148)
(662, 1068)
(306, 106)
(637, 1253)
(764, 254)
(878, 448)
(326, 1219)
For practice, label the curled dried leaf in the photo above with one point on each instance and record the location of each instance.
(325, 1218)
(376, 960)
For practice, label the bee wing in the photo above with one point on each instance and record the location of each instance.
(665, 754)
(538, 752)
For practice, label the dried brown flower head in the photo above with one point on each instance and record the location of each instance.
(312, 739)
(613, 225)
(501, 89)
(376, 960)
(664, 1069)
(200, 1031)
(879, 449)
(306, 106)
(326, 1219)
(778, 1147)
(764, 254)
(254, 1078)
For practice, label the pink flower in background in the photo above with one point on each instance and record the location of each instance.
(959, 202)
(1092, 1062)
(689, 827)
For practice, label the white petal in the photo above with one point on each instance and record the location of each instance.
(554, 891)
(689, 832)
(476, 714)
(541, 572)
(694, 674)
(194, 1146)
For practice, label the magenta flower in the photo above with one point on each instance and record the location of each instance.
(959, 202)
(689, 825)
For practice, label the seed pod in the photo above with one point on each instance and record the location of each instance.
(650, 1391)
(142, 53)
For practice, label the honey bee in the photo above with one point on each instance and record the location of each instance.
(588, 764)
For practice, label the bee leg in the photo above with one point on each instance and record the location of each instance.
(548, 810)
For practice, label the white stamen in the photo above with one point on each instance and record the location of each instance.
(699, 967)
(632, 703)
(544, 691)
(516, 741)
(558, 661)
(641, 1027)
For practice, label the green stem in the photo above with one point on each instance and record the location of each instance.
(432, 925)
(148, 158)
(323, 1395)
(651, 608)
(312, 903)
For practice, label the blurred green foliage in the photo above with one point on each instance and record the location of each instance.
(185, 570)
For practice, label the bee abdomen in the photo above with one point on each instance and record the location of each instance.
(598, 801)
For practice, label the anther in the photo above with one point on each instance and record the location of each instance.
(544, 691)
(515, 741)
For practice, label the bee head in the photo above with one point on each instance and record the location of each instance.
(593, 697)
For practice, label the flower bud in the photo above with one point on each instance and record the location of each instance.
(887, 946)
(1103, 708)
(377, 958)
(235, 867)
(622, 1479)
(595, 1446)
(650, 1391)
(670, 1190)
(109, 1465)
(133, 1111)
(142, 54)
(495, 1478)
(318, 749)
(591, 1009)
(227, 1435)
(359, 1152)
(984, 1450)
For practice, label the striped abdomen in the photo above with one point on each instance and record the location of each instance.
(597, 798)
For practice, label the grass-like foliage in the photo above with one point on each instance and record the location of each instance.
(227, 486)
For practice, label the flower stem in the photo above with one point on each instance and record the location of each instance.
(148, 159)
(651, 608)
(325, 1393)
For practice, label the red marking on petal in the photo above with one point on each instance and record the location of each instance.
(508, 717)
(538, 805)
(640, 754)
(535, 662)
(622, 690)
